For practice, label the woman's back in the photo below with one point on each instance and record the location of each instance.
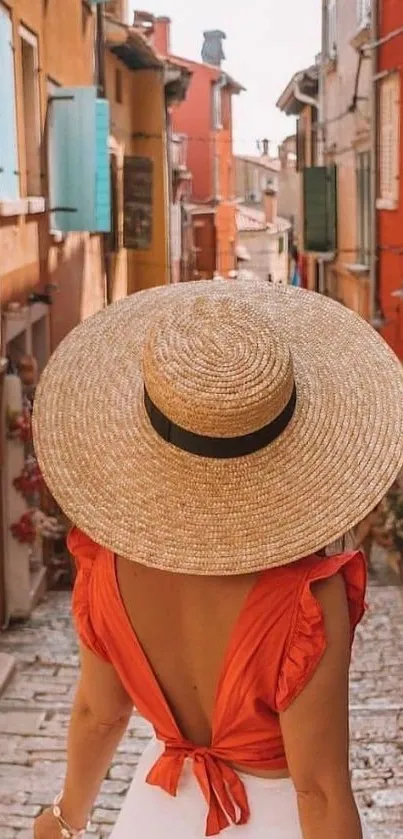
(184, 625)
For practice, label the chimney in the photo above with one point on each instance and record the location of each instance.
(144, 21)
(156, 29)
(212, 51)
(162, 35)
(270, 203)
(265, 144)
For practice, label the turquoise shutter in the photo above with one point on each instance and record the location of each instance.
(9, 178)
(102, 171)
(79, 184)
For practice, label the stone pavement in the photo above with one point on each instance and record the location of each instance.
(34, 712)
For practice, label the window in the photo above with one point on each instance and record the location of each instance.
(389, 140)
(31, 108)
(320, 208)
(363, 206)
(9, 176)
(217, 106)
(256, 191)
(281, 246)
(331, 28)
(363, 13)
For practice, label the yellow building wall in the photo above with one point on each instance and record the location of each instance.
(139, 128)
(29, 256)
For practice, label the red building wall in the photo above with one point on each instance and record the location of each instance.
(390, 222)
(194, 118)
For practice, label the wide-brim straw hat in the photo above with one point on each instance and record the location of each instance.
(220, 429)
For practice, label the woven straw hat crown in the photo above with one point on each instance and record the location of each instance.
(217, 368)
(220, 428)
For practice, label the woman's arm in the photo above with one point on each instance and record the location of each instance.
(100, 715)
(316, 731)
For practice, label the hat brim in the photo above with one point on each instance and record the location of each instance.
(144, 499)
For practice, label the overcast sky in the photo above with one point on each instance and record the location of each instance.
(267, 41)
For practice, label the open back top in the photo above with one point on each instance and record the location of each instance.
(274, 648)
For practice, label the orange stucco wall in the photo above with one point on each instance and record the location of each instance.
(28, 255)
(390, 222)
(138, 128)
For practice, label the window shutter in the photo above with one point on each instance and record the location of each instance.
(9, 178)
(79, 181)
(363, 13)
(301, 145)
(389, 139)
(102, 173)
(331, 28)
(320, 208)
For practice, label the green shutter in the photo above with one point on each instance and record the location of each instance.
(320, 208)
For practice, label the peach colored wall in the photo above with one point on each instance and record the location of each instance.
(346, 137)
(65, 33)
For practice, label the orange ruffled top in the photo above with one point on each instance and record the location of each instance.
(277, 643)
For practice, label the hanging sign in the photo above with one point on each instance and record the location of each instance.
(138, 203)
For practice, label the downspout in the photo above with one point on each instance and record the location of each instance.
(322, 118)
(101, 84)
(303, 98)
(167, 153)
(374, 265)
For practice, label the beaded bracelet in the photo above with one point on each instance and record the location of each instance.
(66, 831)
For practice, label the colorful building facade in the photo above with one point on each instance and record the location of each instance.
(390, 169)
(204, 117)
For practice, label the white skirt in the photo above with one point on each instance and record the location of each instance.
(150, 813)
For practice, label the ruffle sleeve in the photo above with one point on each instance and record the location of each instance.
(307, 640)
(84, 551)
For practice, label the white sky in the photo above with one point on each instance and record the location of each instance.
(267, 41)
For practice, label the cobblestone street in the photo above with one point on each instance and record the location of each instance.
(34, 711)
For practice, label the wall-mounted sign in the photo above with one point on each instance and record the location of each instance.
(138, 203)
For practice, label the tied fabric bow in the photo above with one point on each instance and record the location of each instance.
(222, 788)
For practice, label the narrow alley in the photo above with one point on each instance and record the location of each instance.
(34, 711)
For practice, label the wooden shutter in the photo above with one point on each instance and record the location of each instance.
(9, 177)
(79, 178)
(320, 208)
(331, 24)
(389, 120)
(301, 144)
(363, 13)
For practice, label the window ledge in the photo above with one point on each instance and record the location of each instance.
(362, 36)
(36, 204)
(386, 204)
(323, 256)
(19, 207)
(357, 268)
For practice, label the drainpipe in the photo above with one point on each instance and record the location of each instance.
(303, 98)
(101, 84)
(322, 117)
(374, 266)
